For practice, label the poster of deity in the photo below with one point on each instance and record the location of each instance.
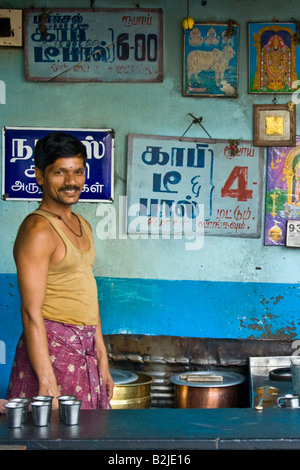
(210, 60)
(274, 62)
(282, 192)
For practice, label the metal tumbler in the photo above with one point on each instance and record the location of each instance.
(62, 399)
(25, 402)
(71, 411)
(14, 414)
(40, 412)
(47, 399)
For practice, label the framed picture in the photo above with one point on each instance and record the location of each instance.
(274, 125)
(11, 28)
(210, 60)
(274, 58)
(282, 199)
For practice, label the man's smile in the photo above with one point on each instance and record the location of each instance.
(69, 189)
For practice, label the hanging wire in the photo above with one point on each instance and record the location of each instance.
(196, 121)
(187, 8)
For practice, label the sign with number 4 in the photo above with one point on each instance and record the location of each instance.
(172, 180)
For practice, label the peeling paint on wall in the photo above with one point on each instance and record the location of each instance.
(202, 308)
(270, 324)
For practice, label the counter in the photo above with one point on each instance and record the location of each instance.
(162, 429)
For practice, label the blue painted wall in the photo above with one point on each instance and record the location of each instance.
(231, 287)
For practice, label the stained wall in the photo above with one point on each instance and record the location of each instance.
(231, 288)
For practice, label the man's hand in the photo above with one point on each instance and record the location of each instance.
(2, 405)
(109, 386)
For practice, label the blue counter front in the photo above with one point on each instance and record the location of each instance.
(162, 429)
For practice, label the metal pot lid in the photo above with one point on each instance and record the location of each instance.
(282, 373)
(122, 376)
(207, 379)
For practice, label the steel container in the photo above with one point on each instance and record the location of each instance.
(211, 389)
(133, 395)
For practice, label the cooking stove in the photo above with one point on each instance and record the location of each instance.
(272, 371)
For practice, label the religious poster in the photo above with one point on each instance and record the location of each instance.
(98, 45)
(174, 181)
(210, 60)
(274, 61)
(282, 192)
(18, 168)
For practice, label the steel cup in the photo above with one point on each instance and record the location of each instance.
(25, 402)
(62, 399)
(47, 399)
(14, 414)
(288, 401)
(71, 411)
(43, 398)
(41, 411)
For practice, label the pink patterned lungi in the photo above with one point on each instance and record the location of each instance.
(73, 355)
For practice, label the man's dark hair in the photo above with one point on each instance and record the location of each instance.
(57, 145)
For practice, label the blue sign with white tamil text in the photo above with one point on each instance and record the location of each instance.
(18, 169)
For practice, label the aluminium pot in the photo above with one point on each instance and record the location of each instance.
(208, 389)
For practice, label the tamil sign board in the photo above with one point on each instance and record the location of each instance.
(172, 181)
(101, 45)
(18, 169)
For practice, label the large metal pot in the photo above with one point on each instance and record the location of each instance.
(208, 389)
(133, 395)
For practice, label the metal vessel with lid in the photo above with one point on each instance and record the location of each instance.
(131, 391)
(208, 389)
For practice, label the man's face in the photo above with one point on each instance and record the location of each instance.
(62, 181)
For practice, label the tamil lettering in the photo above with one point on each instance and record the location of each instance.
(18, 178)
(170, 178)
(102, 45)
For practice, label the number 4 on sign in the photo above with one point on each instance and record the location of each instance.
(242, 193)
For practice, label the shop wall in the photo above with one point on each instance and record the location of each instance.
(230, 288)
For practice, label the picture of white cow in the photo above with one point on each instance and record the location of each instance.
(211, 64)
(216, 60)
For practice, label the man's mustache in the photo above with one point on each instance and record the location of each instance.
(69, 188)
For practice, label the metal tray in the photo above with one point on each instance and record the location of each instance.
(123, 376)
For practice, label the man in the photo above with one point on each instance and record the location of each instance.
(61, 350)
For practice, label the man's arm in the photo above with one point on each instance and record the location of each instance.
(103, 360)
(102, 354)
(33, 250)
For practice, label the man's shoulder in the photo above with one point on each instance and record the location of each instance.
(34, 226)
(34, 221)
(34, 240)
